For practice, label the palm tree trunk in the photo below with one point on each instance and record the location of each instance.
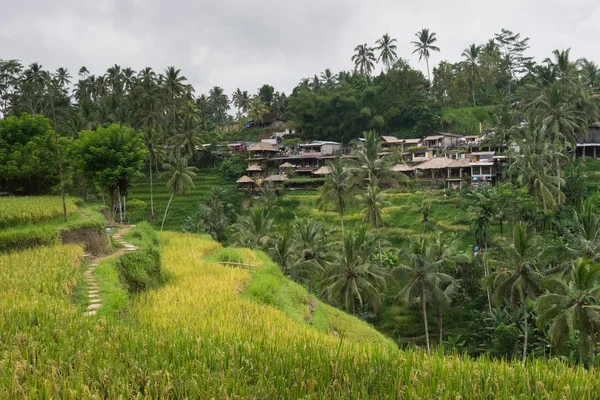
(151, 196)
(473, 90)
(424, 309)
(166, 210)
(120, 206)
(428, 76)
(525, 338)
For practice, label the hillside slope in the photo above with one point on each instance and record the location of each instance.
(209, 334)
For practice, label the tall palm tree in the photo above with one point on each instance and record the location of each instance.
(154, 152)
(253, 229)
(213, 213)
(352, 275)
(585, 238)
(114, 78)
(63, 78)
(566, 70)
(572, 306)
(241, 100)
(387, 51)
(518, 277)
(312, 240)
(371, 166)
(180, 177)
(424, 46)
(471, 56)
(364, 59)
(173, 81)
(328, 78)
(421, 267)
(590, 72)
(256, 109)
(190, 138)
(373, 201)
(534, 166)
(337, 189)
(219, 102)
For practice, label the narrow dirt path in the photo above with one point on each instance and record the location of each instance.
(94, 300)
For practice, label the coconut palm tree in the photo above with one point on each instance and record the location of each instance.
(256, 109)
(190, 138)
(337, 189)
(518, 277)
(364, 59)
(180, 177)
(471, 56)
(370, 166)
(154, 153)
(424, 46)
(387, 51)
(590, 72)
(174, 84)
(253, 229)
(373, 201)
(572, 306)
(533, 166)
(312, 239)
(328, 78)
(241, 99)
(63, 78)
(421, 269)
(565, 69)
(219, 103)
(213, 213)
(585, 238)
(352, 276)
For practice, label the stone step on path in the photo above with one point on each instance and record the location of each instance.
(94, 299)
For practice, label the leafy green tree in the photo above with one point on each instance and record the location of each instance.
(364, 59)
(353, 276)
(180, 177)
(28, 161)
(111, 158)
(518, 277)
(387, 51)
(424, 45)
(337, 189)
(266, 94)
(572, 307)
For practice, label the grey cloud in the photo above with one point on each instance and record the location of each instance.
(245, 43)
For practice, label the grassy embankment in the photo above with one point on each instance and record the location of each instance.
(34, 221)
(223, 332)
(182, 206)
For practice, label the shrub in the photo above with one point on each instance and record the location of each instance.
(141, 270)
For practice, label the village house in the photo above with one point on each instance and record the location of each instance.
(589, 147)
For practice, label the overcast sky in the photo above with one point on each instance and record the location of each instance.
(246, 43)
